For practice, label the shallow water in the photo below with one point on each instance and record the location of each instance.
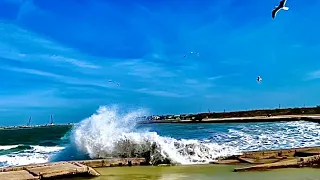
(202, 172)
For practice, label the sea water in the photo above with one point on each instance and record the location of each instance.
(111, 132)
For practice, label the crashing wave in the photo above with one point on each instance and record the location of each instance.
(108, 133)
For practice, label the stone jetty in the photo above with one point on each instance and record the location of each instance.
(65, 169)
(273, 159)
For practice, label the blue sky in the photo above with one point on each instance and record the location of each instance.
(57, 56)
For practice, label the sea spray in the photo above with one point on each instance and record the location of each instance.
(108, 133)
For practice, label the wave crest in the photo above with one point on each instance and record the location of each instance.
(108, 133)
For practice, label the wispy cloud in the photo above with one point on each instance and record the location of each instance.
(141, 68)
(20, 44)
(73, 61)
(112, 41)
(161, 93)
(313, 75)
(218, 77)
(33, 72)
(64, 79)
(215, 77)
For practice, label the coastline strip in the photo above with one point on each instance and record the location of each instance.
(256, 119)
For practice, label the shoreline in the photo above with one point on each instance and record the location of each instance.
(254, 119)
(249, 161)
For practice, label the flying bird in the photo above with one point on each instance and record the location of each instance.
(259, 79)
(282, 5)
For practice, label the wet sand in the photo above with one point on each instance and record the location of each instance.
(203, 172)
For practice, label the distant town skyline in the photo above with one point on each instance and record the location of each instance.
(170, 57)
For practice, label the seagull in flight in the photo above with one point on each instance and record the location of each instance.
(259, 79)
(282, 5)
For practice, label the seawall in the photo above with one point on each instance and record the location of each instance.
(65, 169)
(273, 159)
(256, 119)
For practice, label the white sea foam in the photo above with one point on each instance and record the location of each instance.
(37, 154)
(7, 147)
(46, 149)
(108, 133)
(266, 136)
(22, 159)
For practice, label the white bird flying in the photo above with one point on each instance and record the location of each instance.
(259, 79)
(282, 5)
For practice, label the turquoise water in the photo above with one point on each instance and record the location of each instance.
(109, 133)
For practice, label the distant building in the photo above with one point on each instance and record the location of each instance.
(156, 117)
(183, 116)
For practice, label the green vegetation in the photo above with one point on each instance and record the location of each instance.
(262, 112)
(251, 113)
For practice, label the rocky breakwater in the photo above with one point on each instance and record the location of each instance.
(273, 159)
(65, 169)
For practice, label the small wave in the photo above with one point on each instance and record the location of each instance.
(46, 149)
(110, 133)
(25, 154)
(269, 136)
(7, 147)
(22, 159)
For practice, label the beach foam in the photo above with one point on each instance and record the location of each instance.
(27, 155)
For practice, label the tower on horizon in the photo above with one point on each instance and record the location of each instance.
(51, 119)
(29, 121)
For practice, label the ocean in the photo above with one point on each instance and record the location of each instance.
(110, 132)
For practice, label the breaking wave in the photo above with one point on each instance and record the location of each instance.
(14, 155)
(109, 133)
